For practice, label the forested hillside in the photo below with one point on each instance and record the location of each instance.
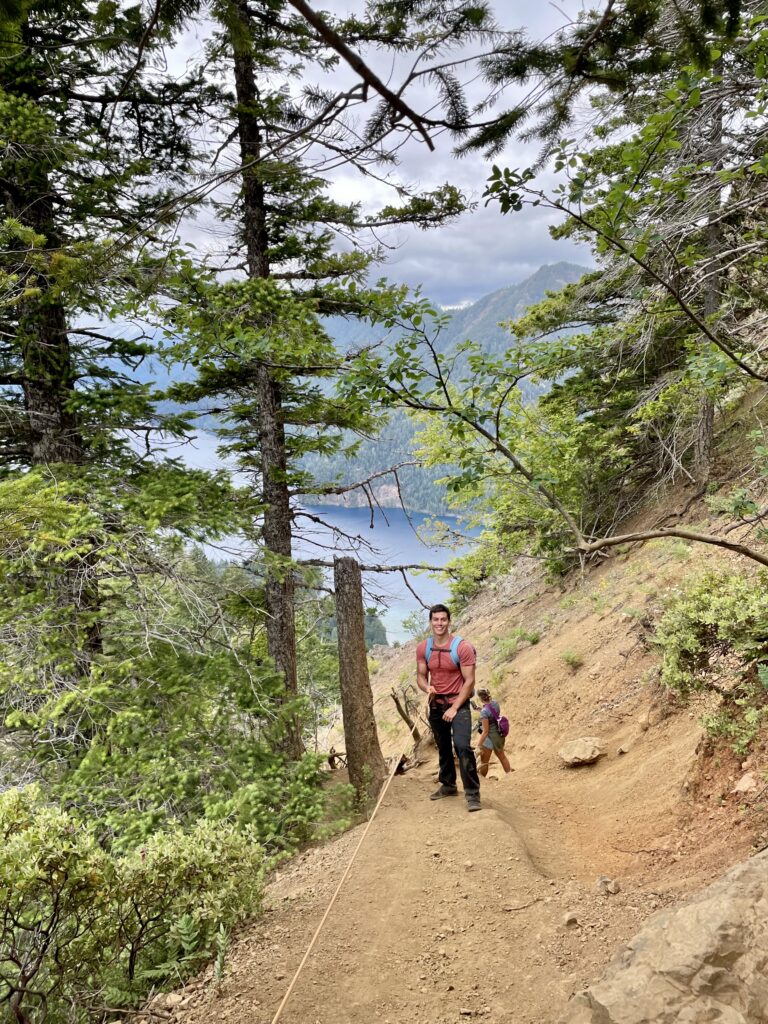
(206, 188)
(485, 323)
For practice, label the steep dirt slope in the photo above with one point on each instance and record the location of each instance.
(448, 915)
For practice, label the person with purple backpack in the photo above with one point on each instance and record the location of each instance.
(493, 732)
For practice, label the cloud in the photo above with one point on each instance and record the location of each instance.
(481, 251)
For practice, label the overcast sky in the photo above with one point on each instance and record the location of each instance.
(482, 250)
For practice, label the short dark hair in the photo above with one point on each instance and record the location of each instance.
(439, 608)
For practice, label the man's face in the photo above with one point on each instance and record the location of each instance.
(440, 623)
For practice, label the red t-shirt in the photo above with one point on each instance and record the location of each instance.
(444, 674)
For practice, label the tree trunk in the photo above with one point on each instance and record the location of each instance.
(277, 529)
(52, 429)
(249, 136)
(364, 758)
(47, 374)
(279, 586)
(48, 388)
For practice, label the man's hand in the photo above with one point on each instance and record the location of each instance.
(450, 713)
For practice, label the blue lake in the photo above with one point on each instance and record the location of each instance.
(395, 538)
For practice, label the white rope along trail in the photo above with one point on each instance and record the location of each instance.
(343, 879)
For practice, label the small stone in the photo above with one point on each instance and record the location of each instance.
(465, 1012)
(468, 864)
(623, 749)
(746, 784)
(570, 919)
(606, 885)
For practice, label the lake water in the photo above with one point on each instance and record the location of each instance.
(396, 538)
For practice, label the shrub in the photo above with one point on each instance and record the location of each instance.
(716, 617)
(507, 647)
(81, 929)
(714, 636)
(55, 886)
(572, 659)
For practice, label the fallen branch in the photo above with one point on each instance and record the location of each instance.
(403, 712)
(591, 547)
(523, 906)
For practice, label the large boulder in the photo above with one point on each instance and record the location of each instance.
(585, 750)
(704, 961)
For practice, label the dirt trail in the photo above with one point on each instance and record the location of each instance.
(445, 914)
(449, 915)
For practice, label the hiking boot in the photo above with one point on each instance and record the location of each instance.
(444, 791)
(473, 802)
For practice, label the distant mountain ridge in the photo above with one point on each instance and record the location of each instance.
(481, 322)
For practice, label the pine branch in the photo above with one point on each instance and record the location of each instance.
(334, 40)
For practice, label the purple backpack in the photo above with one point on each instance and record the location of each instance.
(502, 723)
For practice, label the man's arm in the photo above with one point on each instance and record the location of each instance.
(468, 675)
(422, 677)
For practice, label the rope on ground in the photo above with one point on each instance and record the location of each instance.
(343, 879)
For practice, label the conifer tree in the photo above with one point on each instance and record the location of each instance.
(96, 148)
(256, 340)
(96, 143)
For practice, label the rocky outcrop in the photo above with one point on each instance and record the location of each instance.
(704, 961)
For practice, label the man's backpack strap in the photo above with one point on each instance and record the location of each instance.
(454, 650)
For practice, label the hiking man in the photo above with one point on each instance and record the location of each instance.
(445, 666)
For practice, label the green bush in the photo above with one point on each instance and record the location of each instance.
(286, 806)
(714, 636)
(507, 647)
(81, 929)
(572, 659)
(717, 615)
